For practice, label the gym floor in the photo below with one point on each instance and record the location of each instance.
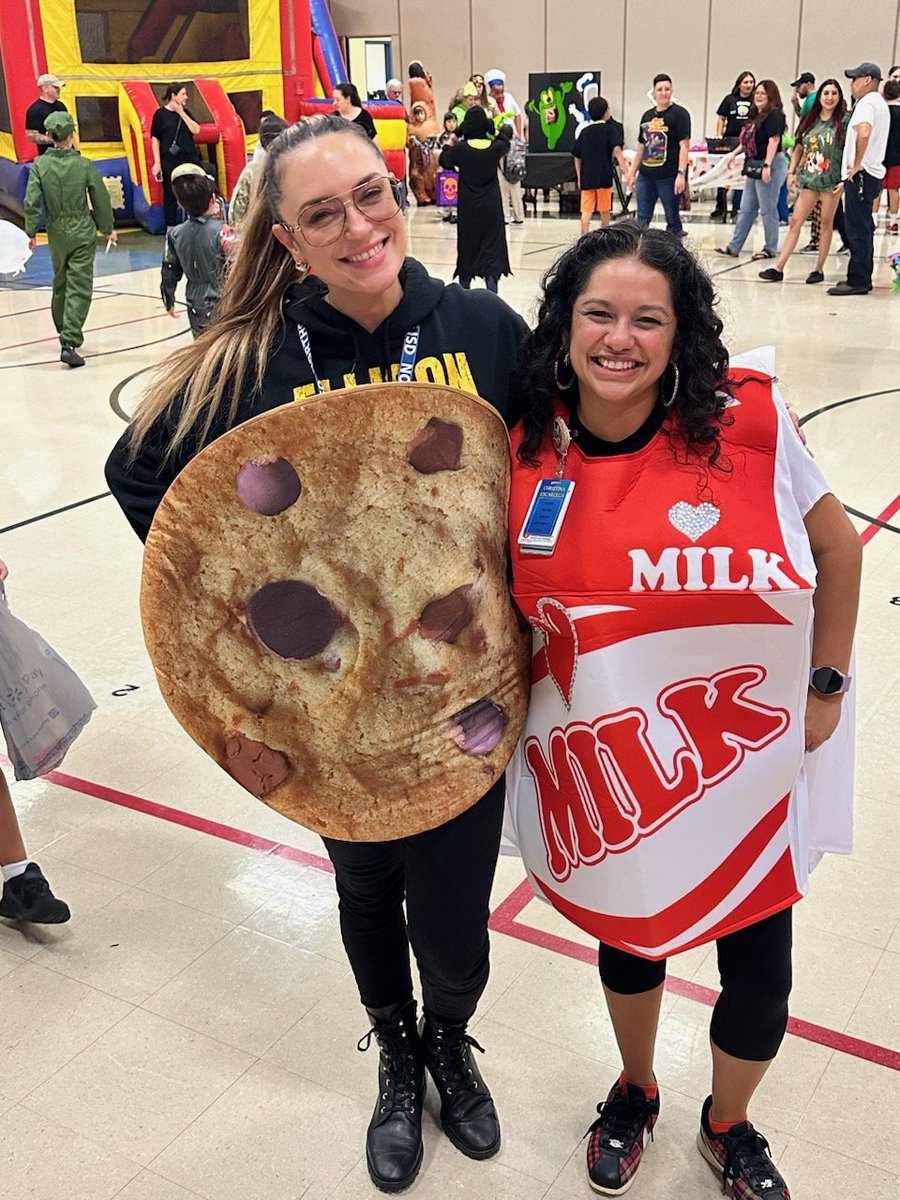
(192, 1031)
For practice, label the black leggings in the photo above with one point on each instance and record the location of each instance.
(445, 877)
(750, 1015)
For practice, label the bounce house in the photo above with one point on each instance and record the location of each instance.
(236, 57)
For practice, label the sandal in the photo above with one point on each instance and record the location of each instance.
(761, 254)
(728, 251)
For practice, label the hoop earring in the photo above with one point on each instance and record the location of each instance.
(671, 400)
(563, 387)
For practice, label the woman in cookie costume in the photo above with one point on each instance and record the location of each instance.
(662, 792)
(322, 297)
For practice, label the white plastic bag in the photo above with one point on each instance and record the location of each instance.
(14, 251)
(43, 703)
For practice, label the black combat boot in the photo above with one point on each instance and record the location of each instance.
(394, 1136)
(468, 1116)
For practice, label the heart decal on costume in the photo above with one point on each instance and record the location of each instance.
(693, 520)
(560, 645)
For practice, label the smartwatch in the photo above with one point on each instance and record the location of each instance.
(829, 681)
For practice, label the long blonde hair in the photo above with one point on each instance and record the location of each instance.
(229, 358)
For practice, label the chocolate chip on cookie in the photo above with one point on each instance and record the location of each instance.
(444, 619)
(436, 447)
(268, 485)
(478, 728)
(292, 619)
(254, 765)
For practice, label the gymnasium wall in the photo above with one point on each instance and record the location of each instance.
(702, 44)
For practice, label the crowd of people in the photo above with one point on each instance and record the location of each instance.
(625, 388)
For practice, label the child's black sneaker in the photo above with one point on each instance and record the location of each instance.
(27, 897)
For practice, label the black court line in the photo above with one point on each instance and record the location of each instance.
(854, 512)
(55, 512)
(49, 362)
(24, 312)
(817, 412)
(120, 387)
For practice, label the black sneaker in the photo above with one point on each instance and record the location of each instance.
(815, 277)
(616, 1142)
(772, 275)
(70, 356)
(741, 1160)
(27, 897)
(812, 248)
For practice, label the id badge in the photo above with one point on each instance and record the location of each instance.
(545, 516)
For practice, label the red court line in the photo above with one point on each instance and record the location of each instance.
(870, 530)
(95, 329)
(189, 821)
(505, 920)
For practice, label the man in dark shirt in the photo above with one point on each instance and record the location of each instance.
(38, 112)
(596, 145)
(660, 165)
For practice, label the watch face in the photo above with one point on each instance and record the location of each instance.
(827, 680)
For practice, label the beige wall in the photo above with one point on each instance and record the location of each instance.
(702, 44)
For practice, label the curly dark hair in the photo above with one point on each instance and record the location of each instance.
(704, 388)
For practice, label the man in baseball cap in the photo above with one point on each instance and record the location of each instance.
(64, 180)
(862, 170)
(804, 92)
(49, 102)
(867, 68)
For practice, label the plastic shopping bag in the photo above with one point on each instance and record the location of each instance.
(43, 703)
(14, 251)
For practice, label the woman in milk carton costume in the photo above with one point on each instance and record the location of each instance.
(669, 533)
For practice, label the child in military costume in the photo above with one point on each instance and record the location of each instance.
(65, 179)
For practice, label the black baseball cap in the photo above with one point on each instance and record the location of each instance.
(806, 77)
(866, 68)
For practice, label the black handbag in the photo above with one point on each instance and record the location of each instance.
(175, 149)
(753, 167)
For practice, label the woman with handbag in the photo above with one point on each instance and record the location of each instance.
(172, 135)
(764, 170)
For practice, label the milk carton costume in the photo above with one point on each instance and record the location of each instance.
(660, 795)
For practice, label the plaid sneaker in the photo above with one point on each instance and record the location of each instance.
(617, 1138)
(740, 1158)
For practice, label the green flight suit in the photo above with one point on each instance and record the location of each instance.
(65, 179)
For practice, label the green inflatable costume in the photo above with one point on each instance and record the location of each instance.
(65, 179)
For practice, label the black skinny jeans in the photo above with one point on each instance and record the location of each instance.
(445, 877)
(750, 1016)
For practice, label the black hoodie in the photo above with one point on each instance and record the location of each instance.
(470, 340)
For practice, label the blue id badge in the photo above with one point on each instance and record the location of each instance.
(545, 516)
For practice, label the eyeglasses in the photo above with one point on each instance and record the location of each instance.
(322, 222)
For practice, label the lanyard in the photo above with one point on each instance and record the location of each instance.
(407, 357)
